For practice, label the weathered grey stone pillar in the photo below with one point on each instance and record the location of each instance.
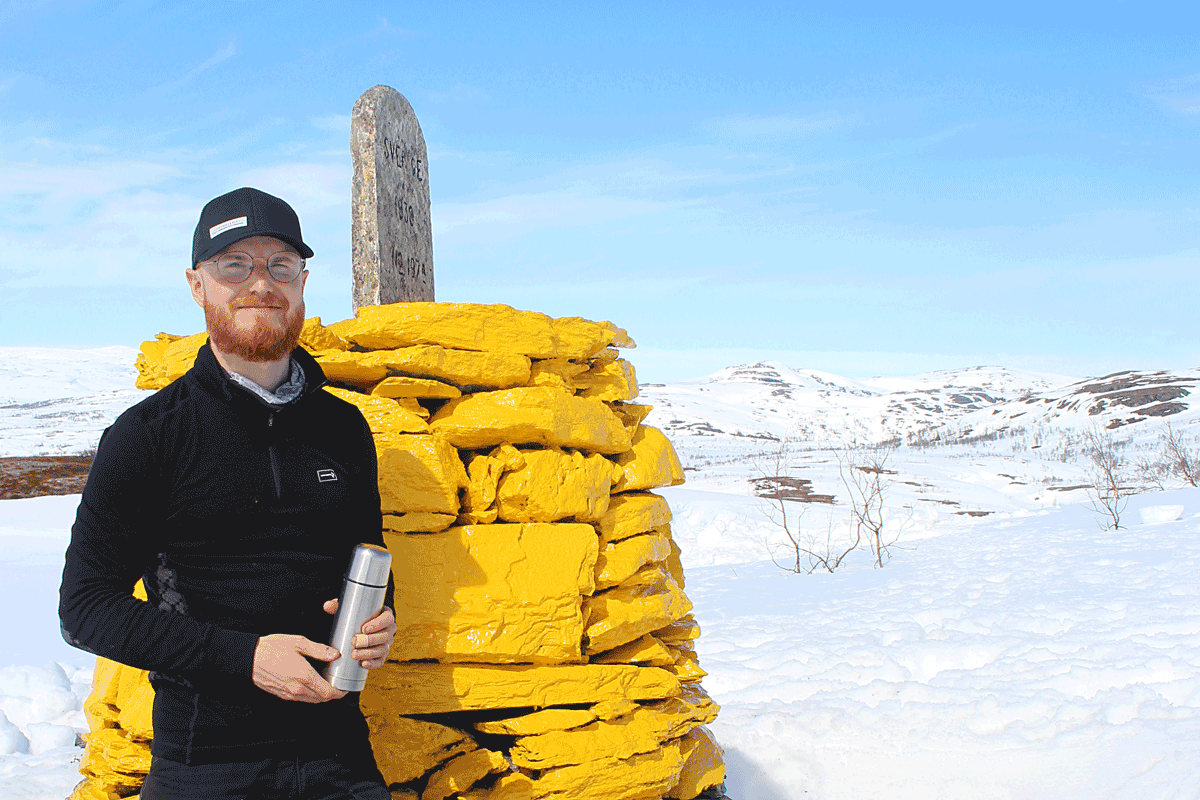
(393, 236)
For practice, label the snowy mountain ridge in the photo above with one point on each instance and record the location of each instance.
(769, 401)
(58, 400)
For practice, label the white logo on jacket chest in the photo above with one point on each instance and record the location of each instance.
(326, 475)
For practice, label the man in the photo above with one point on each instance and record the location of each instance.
(236, 495)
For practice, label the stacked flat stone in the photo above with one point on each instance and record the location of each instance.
(544, 645)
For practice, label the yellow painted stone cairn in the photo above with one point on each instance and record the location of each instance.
(545, 647)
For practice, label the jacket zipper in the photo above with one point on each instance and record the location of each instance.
(274, 460)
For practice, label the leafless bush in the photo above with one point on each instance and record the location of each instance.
(800, 551)
(864, 473)
(1183, 461)
(1107, 494)
(1152, 472)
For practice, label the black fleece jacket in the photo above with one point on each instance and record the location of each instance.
(239, 517)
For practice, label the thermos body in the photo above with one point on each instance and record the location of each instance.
(362, 596)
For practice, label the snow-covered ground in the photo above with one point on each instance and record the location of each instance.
(1021, 652)
(56, 401)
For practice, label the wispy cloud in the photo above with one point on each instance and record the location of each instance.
(309, 187)
(224, 54)
(776, 128)
(1181, 94)
(334, 123)
(514, 215)
(70, 218)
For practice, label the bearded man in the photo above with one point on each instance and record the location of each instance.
(236, 495)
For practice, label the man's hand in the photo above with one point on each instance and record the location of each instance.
(280, 668)
(372, 645)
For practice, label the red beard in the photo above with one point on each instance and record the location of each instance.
(266, 340)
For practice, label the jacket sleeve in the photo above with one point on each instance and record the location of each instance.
(110, 549)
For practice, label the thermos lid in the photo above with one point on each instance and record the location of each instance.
(369, 565)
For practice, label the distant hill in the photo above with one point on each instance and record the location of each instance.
(768, 401)
(56, 401)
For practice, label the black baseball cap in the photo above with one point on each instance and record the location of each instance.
(241, 214)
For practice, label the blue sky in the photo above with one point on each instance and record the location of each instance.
(852, 191)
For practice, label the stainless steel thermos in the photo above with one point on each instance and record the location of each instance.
(362, 598)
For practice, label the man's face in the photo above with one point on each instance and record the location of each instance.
(258, 319)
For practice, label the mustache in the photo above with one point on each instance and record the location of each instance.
(260, 299)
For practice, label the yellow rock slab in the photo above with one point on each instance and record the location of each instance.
(463, 368)
(136, 706)
(110, 751)
(632, 513)
(383, 415)
(100, 708)
(91, 789)
(530, 415)
(606, 356)
(648, 601)
(404, 386)
(641, 777)
(650, 464)
(417, 522)
(675, 566)
(485, 517)
(513, 786)
(492, 593)
(483, 473)
(556, 373)
(462, 772)
(411, 404)
(686, 666)
(620, 337)
(554, 485)
(316, 338)
(544, 721)
(679, 632)
(703, 764)
(611, 709)
(356, 369)
(405, 749)
(557, 719)
(644, 650)
(167, 358)
(428, 688)
(608, 381)
(468, 326)
(420, 473)
(643, 731)
(630, 414)
(618, 561)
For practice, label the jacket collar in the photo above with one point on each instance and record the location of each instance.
(212, 377)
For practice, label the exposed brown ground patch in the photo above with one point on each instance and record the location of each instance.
(35, 476)
(783, 487)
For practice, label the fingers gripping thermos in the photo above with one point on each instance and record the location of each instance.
(362, 598)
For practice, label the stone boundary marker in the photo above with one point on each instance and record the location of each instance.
(391, 228)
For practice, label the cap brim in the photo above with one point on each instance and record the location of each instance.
(237, 235)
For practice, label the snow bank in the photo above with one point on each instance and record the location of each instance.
(1034, 658)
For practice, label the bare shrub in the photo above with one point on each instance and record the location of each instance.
(800, 551)
(1107, 494)
(864, 473)
(1183, 461)
(1152, 472)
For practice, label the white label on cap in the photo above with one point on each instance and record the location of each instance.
(228, 225)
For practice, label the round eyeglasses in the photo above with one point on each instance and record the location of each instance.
(283, 267)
